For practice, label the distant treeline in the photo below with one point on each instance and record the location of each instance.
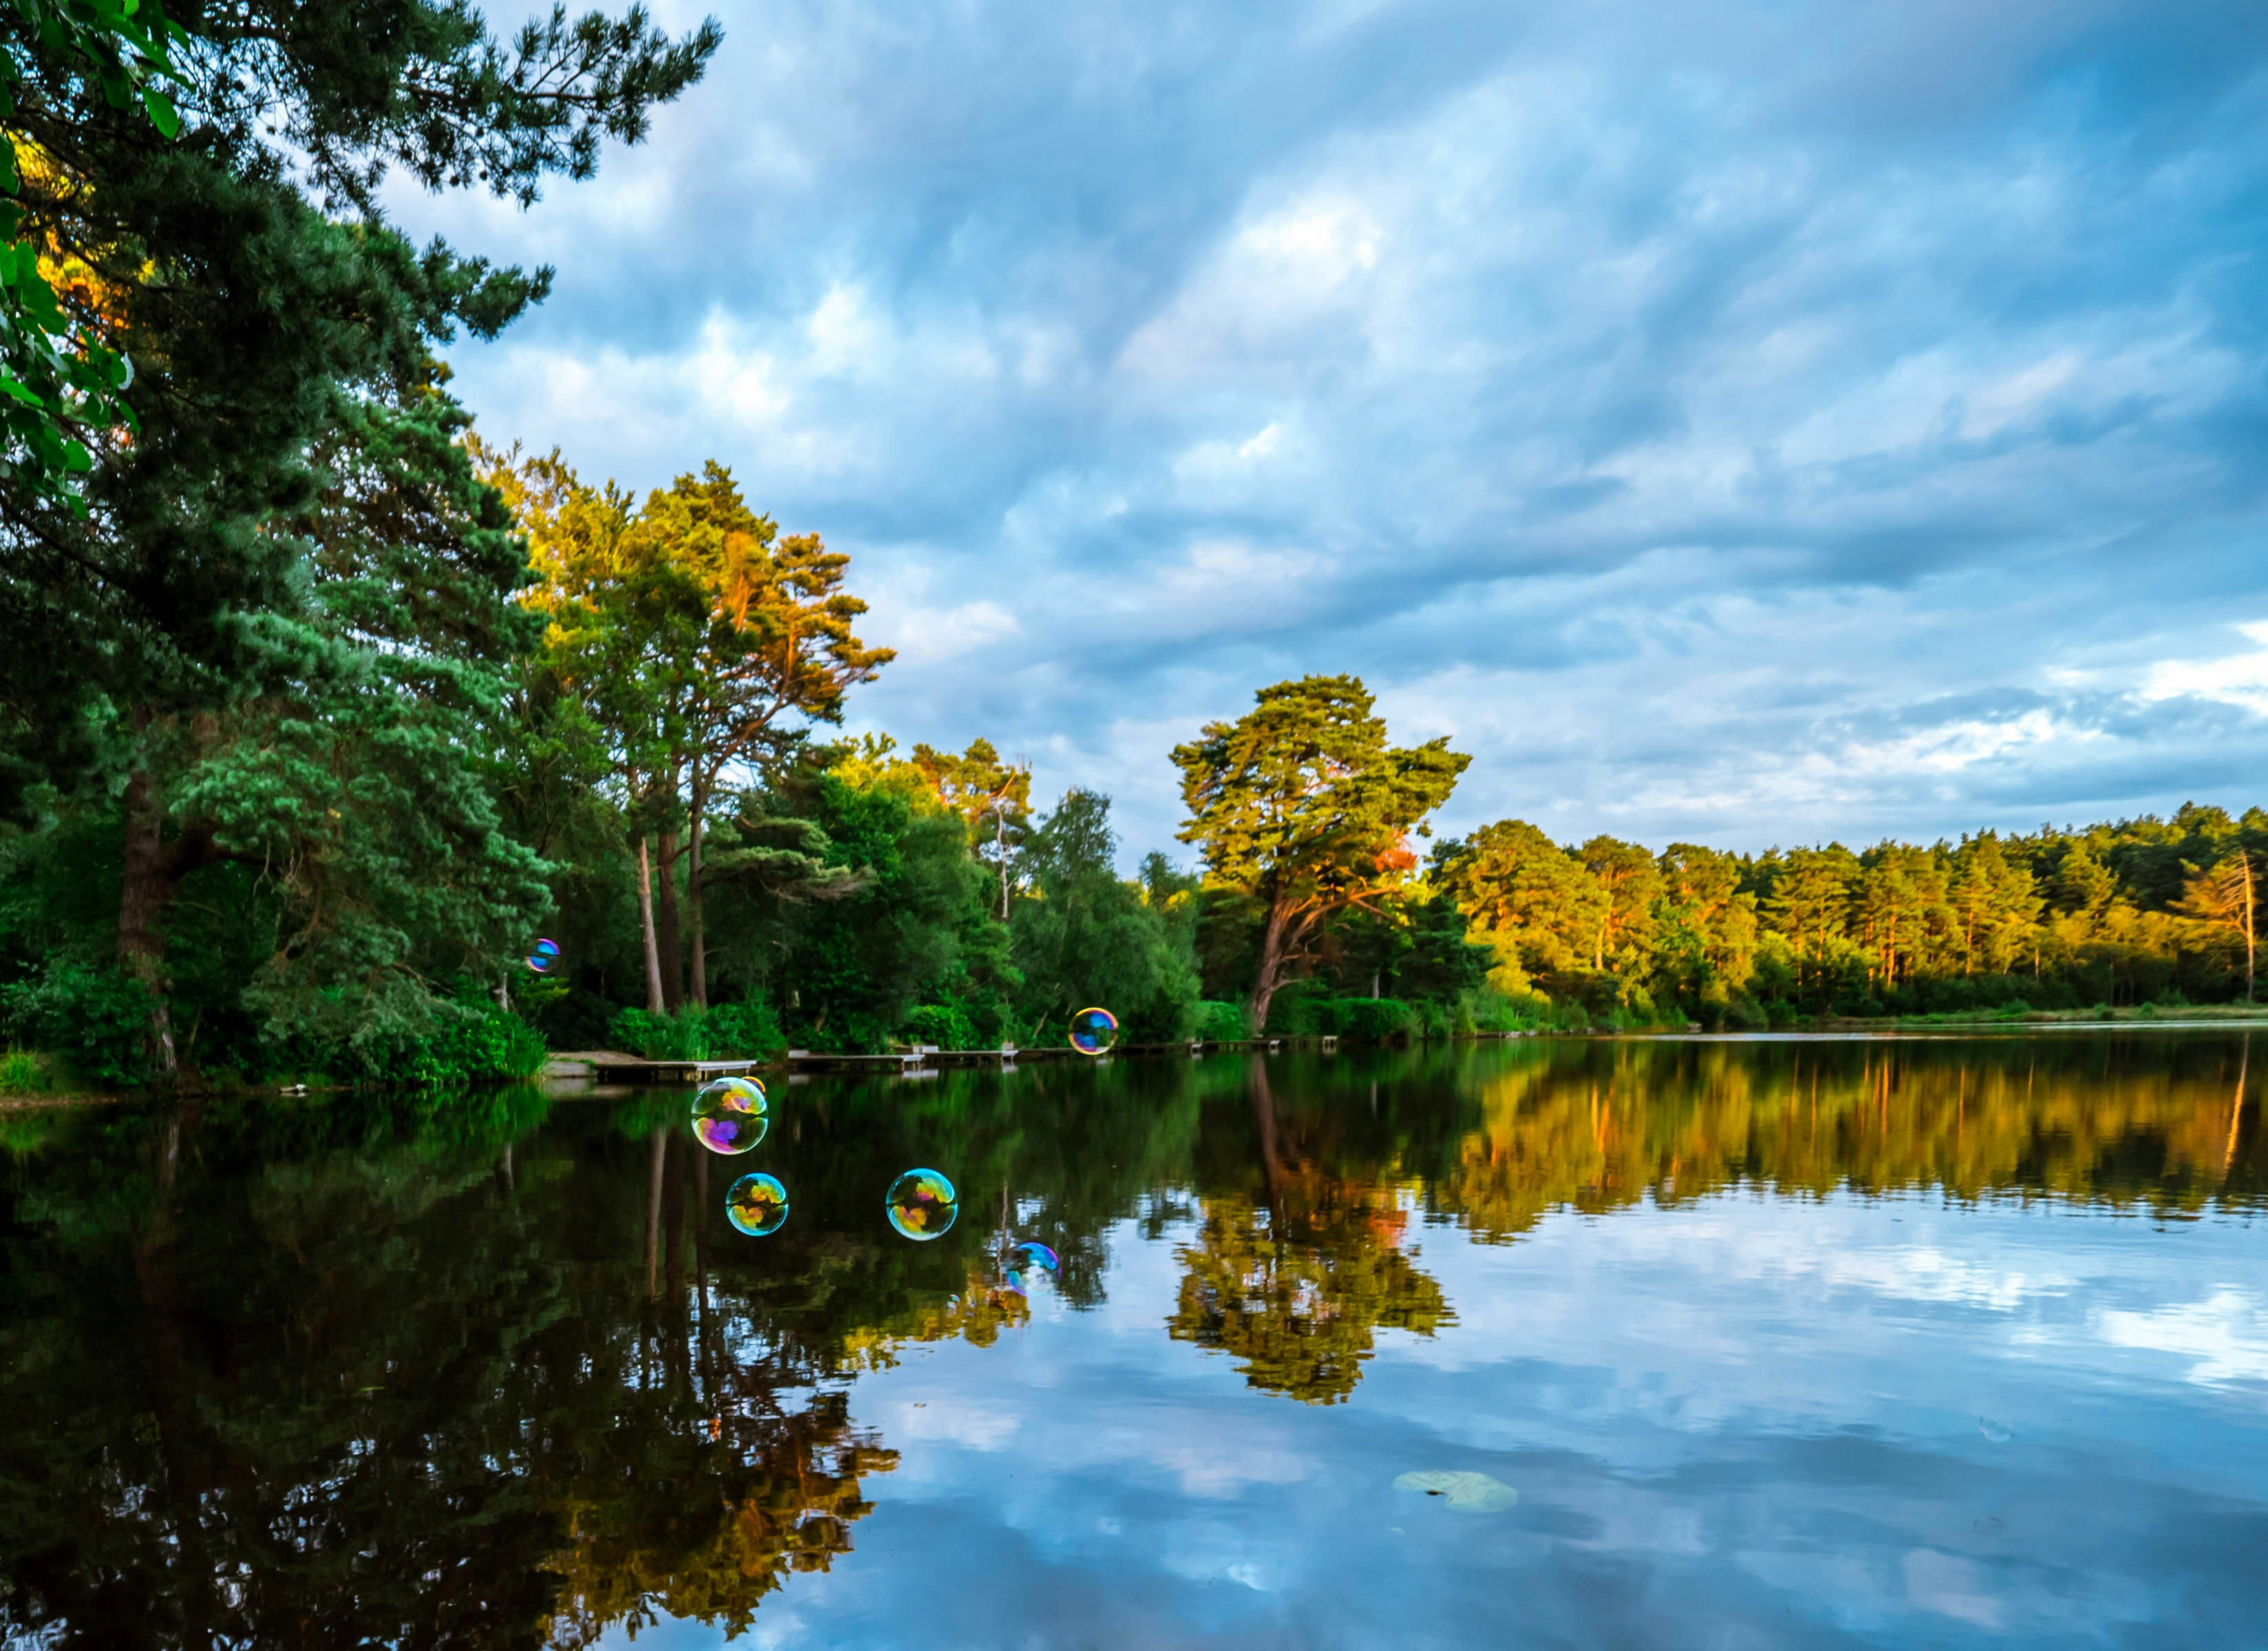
(2135, 911)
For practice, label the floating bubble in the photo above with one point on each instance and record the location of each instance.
(1467, 1493)
(756, 1205)
(545, 953)
(923, 1204)
(1995, 1433)
(1093, 1031)
(1030, 1262)
(728, 1115)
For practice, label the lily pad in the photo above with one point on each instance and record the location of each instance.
(1466, 1492)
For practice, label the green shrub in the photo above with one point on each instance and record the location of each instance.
(1365, 1019)
(944, 1024)
(24, 1072)
(95, 1018)
(683, 1036)
(476, 1043)
(747, 1030)
(1221, 1022)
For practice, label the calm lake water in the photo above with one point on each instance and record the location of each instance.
(1780, 1342)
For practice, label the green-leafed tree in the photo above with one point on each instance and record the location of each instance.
(1086, 936)
(696, 643)
(274, 320)
(1536, 904)
(1707, 927)
(1303, 808)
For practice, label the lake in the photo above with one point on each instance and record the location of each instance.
(1635, 1342)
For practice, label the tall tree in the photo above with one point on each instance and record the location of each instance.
(1630, 880)
(706, 643)
(1536, 902)
(1089, 937)
(2220, 899)
(1811, 898)
(1708, 924)
(992, 797)
(1301, 806)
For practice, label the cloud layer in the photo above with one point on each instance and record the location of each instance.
(1747, 424)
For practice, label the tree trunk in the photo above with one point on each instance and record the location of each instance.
(146, 888)
(2244, 858)
(645, 929)
(1274, 961)
(699, 979)
(1000, 848)
(672, 953)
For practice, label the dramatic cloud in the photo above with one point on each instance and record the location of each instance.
(1748, 423)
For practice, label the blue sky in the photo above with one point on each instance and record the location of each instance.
(1744, 424)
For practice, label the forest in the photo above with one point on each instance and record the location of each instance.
(319, 709)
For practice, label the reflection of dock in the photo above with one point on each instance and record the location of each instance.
(614, 1067)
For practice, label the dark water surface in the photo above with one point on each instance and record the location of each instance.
(1898, 1342)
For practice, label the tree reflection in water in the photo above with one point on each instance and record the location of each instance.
(1293, 1272)
(493, 1370)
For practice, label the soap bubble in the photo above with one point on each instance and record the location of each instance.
(923, 1204)
(728, 1115)
(1029, 1263)
(546, 953)
(1093, 1031)
(756, 1205)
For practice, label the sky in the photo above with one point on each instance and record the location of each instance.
(1750, 423)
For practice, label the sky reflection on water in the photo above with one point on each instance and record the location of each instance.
(1942, 1343)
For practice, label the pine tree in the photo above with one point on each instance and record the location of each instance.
(1301, 806)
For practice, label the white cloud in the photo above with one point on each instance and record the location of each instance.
(2224, 1336)
(1792, 426)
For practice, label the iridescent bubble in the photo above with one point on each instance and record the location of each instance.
(923, 1204)
(1093, 1031)
(1029, 1263)
(728, 1115)
(545, 953)
(756, 1205)
(1033, 1254)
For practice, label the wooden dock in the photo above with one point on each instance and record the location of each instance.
(612, 1066)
